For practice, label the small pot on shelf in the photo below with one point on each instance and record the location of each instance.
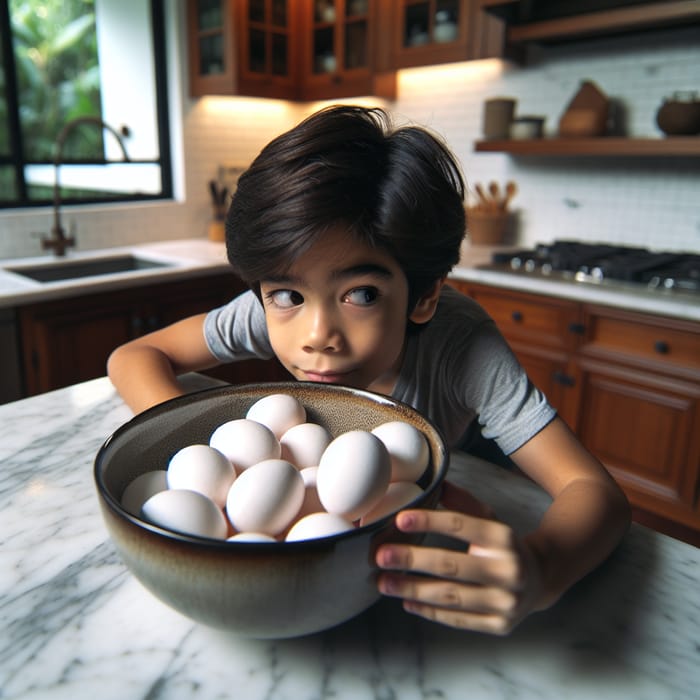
(679, 115)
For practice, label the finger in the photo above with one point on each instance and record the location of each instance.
(478, 531)
(476, 622)
(502, 568)
(450, 594)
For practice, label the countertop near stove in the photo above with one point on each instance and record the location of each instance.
(76, 624)
(199, 257)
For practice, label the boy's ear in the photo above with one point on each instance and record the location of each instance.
(425, 307)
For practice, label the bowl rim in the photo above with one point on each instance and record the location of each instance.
(249, 547)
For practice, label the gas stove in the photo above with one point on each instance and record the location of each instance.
(602, 264)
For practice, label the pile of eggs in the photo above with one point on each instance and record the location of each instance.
(273, 476)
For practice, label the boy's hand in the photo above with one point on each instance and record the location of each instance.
(489, 587)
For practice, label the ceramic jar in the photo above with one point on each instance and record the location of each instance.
(679, 115)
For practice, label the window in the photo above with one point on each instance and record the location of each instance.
(66, 68)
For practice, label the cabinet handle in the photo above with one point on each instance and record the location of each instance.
(577, 328)
(517, 316)
(136, 325)
(662, 347)
(564, 379)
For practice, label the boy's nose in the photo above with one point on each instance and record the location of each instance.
(322, 334)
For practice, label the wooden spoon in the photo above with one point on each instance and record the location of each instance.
(484, 201)
(495, 192)
(511, 191)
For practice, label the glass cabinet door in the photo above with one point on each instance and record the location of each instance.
(340, 36)
(430, 22)
(268, 37)
(210, 33)
(210, 39)
(266, 40)
(433, 31)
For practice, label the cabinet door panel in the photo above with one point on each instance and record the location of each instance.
(646, 431)
(65, 348)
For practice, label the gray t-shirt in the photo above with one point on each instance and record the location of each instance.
(456, 368)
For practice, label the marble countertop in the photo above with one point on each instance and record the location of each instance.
(198, 256)
(76, 624)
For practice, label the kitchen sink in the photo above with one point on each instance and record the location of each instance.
(62, 270)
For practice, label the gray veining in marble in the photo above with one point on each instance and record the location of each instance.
(75, 624)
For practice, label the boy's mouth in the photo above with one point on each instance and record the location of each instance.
(325, 377)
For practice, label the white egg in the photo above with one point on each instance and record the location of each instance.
(245, 442)
(266, 497)
(407, 447)
(142, 488)
(311, 503)
(318, 525)
(251, 537)
(202, 468)
(303, 444)
(398, 495)
(353, 474)
(185, 511)
(279, 412)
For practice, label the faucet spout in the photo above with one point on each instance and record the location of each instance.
(58, 241)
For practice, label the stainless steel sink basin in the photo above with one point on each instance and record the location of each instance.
(62, 270)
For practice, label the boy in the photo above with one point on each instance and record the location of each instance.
(345, 230)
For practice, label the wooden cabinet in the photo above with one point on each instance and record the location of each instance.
(431, 32)
(242, 47)
(69, 340)
(285, 49)
(627, 383)
(342, 52)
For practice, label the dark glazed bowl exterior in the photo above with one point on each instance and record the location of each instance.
(256, 590)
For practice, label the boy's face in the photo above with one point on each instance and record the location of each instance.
(339, 315)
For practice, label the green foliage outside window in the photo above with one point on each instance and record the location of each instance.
(56, 61)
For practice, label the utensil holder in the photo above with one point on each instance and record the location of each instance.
(216, 230)
(486, 227)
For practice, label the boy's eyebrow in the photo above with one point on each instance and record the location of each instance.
(346, 272)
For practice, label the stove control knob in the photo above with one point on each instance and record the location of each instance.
(661, 346)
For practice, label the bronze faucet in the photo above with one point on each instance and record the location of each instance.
(58, 240)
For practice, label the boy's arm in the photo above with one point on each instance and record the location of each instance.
(144, 371)
(587, 518)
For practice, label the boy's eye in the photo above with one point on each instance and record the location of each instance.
(285, 298)
(362, 296)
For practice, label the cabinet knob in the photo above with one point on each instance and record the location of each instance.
(517, 316)
(661, 346)
(136, 325)
(577, 328)
(564, 379)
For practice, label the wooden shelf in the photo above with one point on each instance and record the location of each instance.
(673, 146)
(524, 28)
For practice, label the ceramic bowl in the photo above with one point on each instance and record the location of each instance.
(256, 590)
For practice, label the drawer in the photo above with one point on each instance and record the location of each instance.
(673, 342)
(551, 322)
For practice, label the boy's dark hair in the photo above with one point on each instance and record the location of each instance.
(399, 190)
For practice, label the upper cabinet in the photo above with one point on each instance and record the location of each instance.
(342, 49)
(266, 33)
(542, 21)
(430, 32)
(328, 49)
(289, 49)
(243, 47)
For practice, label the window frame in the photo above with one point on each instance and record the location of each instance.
(16, 159)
